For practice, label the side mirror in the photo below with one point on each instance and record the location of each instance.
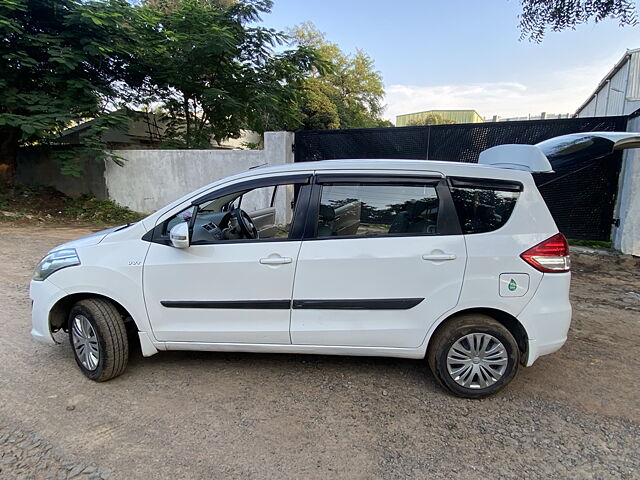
(179, 235)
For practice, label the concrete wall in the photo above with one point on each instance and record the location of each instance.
(150, 179)
(626, 237)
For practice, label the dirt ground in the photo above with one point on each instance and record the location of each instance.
(574, 414)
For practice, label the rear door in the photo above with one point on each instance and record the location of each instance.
(382, 259)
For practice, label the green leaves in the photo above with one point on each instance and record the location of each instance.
(539, 15)
(215, 75)
(206, 66)
(346, 90)
(62, 61)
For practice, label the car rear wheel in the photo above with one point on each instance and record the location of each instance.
(473, 356)
(99, 339)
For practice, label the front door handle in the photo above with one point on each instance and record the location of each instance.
(439, 257)
(276, 260)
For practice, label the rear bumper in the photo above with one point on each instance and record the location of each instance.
(44, 296)
(547, 317)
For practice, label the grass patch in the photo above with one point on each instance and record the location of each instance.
(588, 243)
(90, 208)
(45, 204)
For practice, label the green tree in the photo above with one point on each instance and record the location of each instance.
(430, 119)
(168, 5)
(346, 93)
(539, 15)
(60, 61)
(214, 71)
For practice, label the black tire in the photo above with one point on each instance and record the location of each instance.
(457, 328)
(111, 334)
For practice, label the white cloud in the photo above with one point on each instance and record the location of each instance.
(562, 92)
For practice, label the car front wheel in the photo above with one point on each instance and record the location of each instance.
(473, 356)
(99, 339)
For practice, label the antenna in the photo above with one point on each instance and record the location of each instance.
(258, 166)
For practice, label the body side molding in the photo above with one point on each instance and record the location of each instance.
(359, 304)
(339, 304)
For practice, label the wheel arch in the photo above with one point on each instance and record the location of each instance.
(59, 313)
(507, 320)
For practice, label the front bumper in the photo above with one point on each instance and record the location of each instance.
(44, 296)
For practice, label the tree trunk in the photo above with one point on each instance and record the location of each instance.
(9, 138)
(187, 117)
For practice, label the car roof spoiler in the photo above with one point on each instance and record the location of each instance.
(538, 158)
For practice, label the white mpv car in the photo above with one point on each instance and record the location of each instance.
(461, 264)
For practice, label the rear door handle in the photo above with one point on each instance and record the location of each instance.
(439, 257)
(276, 260)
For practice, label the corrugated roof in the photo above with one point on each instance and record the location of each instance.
(609, 76)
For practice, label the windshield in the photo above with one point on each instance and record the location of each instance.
(222, 203)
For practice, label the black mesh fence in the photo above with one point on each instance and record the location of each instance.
(581, 197)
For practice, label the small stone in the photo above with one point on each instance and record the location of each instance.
(75, 471)
(70, 408)
(385, 393)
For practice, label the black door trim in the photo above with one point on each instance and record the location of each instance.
(339, 304)
(232, 304)
(358, 304)
(486, 184)
(251, 183)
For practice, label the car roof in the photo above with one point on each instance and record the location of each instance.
(426, 167)
(398, 165)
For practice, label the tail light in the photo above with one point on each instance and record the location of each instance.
(550, 256)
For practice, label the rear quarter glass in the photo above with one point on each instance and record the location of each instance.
(483, 205)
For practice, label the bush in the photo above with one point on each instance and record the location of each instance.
(88, 207)
(25, 202)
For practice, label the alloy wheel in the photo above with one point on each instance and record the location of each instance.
(85, 342)
(477, 360)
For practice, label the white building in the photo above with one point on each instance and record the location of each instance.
(618, 93)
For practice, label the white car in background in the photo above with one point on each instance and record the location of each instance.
(461, 264)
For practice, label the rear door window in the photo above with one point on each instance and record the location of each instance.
(483, 205)
(369, 210)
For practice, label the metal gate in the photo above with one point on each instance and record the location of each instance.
(581, 197)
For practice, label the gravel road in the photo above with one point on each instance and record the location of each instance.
(574, 414)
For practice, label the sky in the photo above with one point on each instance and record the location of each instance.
(465, 54)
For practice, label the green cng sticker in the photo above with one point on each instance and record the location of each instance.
(512, 285)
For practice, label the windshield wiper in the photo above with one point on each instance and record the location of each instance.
(125, 226)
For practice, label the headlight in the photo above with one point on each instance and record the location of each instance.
(55, 261)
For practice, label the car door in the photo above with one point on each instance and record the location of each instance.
(265, 221)
(220, 289)
(382, 259)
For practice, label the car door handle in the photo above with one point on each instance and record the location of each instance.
(439, 257)
(276, 260)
